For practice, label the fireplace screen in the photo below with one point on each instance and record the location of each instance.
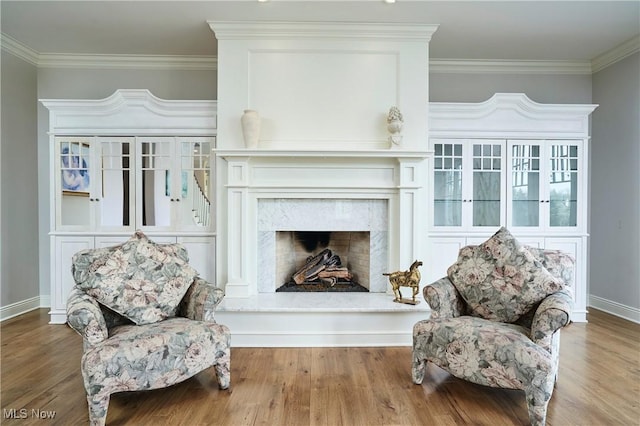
(322, 261)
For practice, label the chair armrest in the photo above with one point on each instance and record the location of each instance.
(444, 299)
(85, 317)
(553, 313)
(200, 301)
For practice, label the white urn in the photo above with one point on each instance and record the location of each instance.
(394, 126)
(395, 130)
(250, 122)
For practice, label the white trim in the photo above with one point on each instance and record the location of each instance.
(499, 66)
(509, 115)
(614, 308)
(91, 61)
(18, 49)
(616, 54)
(436, 66)
(22, 307)
(131, 111)
(59, 60)
(261, 30)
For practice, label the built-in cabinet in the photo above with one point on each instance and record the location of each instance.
(509, 162)
(527, 184)
(127, 162)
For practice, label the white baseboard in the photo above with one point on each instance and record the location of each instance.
(614, 308)
(22, 307)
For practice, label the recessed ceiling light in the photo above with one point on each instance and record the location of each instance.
(389, 1)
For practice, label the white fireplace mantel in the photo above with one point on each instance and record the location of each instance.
(252, 175)
(308, 153)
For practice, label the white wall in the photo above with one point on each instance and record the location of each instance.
(615, 188)
(65, 83)
(19, 175)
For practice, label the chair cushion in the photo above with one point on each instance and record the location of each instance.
(482, 351)
(153, 356)
(500, 279)
(141, 280)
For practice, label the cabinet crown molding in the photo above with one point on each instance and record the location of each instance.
(131, 111)
(509, 115)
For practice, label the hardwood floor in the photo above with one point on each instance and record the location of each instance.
(599, 385)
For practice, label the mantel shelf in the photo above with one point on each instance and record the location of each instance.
(286, 153)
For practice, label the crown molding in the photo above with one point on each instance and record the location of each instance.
(69, 60)
(184, 62)
(483, 66)
(236, 30)
(18, 49)
(616, 54)
(56, 60)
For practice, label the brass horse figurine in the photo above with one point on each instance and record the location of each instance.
(410, 278)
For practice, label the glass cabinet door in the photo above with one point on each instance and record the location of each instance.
(194, 192)
(74, 183)
(562, 178)
(525, 163)
(447, 203)
(487, 183)
(115, 202)
(154, 188)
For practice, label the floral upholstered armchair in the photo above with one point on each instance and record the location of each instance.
(146, 319)
(496, 318)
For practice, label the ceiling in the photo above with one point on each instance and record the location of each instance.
(500, 30)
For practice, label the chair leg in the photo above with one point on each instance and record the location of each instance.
(223, 369)
(98, 406)
(537, 414)
(418, 369)
(537, 402)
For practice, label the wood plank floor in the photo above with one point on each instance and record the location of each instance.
(599, 385)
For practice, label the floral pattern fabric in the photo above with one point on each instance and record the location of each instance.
(498, 354)
(201, 300)
(500, 279)
(444, 299)
(151, 357)
(120, 355)
(487, 353)
(557, 262)
(139, 279)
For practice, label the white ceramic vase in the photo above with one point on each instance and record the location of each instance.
(250, 121)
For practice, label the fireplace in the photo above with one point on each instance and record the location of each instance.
(290, 230)
(324, 163)
(311, 261)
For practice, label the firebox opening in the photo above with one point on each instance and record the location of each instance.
(313, 261)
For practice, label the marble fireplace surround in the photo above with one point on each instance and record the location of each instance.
(379, 191)
(332, 215)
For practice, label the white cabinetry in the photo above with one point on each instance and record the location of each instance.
(173, 183)
(509, 162)
(93, 183)
(130, 161)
